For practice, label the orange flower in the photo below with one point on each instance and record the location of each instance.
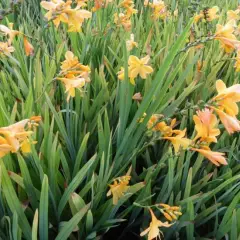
(166, 130)
(153, 230)
(231, 123)
(216, 158)
(28, 47)
(205, 122)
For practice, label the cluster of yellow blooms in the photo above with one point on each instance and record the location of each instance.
(6, 47)
(224, 105)
(60, 11)
(158, 7)
(124, 18)
(73, 74)
(136, 67)
(16, 137)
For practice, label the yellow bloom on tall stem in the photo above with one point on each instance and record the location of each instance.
(179, 141)
(216, 158)
(139, 67)
(153, 230)
(118, 188)
(205, 121)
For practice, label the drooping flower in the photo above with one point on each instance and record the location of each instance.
(231, 123)
(153, 230)
(131, 43)
(179, 141)
(166, 131)
(217, 158)
(226, 37)
(118, 188)
(139, 67)
(28, 47)
(205, 123)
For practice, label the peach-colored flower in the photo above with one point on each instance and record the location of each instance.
(226, 37)
(216, 158)
(231, 123)
(205, 123)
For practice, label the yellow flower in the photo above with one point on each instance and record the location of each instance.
(179, 141)
(8, 31)
(5, 48)
(28, 47)
(5, 148)
(233, 15)
(231, 123)
(70, 63)
(153, 230)
(118, 188)
(226, 37)
(139, 67)
(56, 10)
(76, 18)
(131, 43)
(237, 63)
(216, 158)
(212, 13)
(122, 20)
(159, 9)
(71, 83)
(82, 3)
(227, 97)
(121, 74)
(205, 122)
(198, 17)
(17, 136)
